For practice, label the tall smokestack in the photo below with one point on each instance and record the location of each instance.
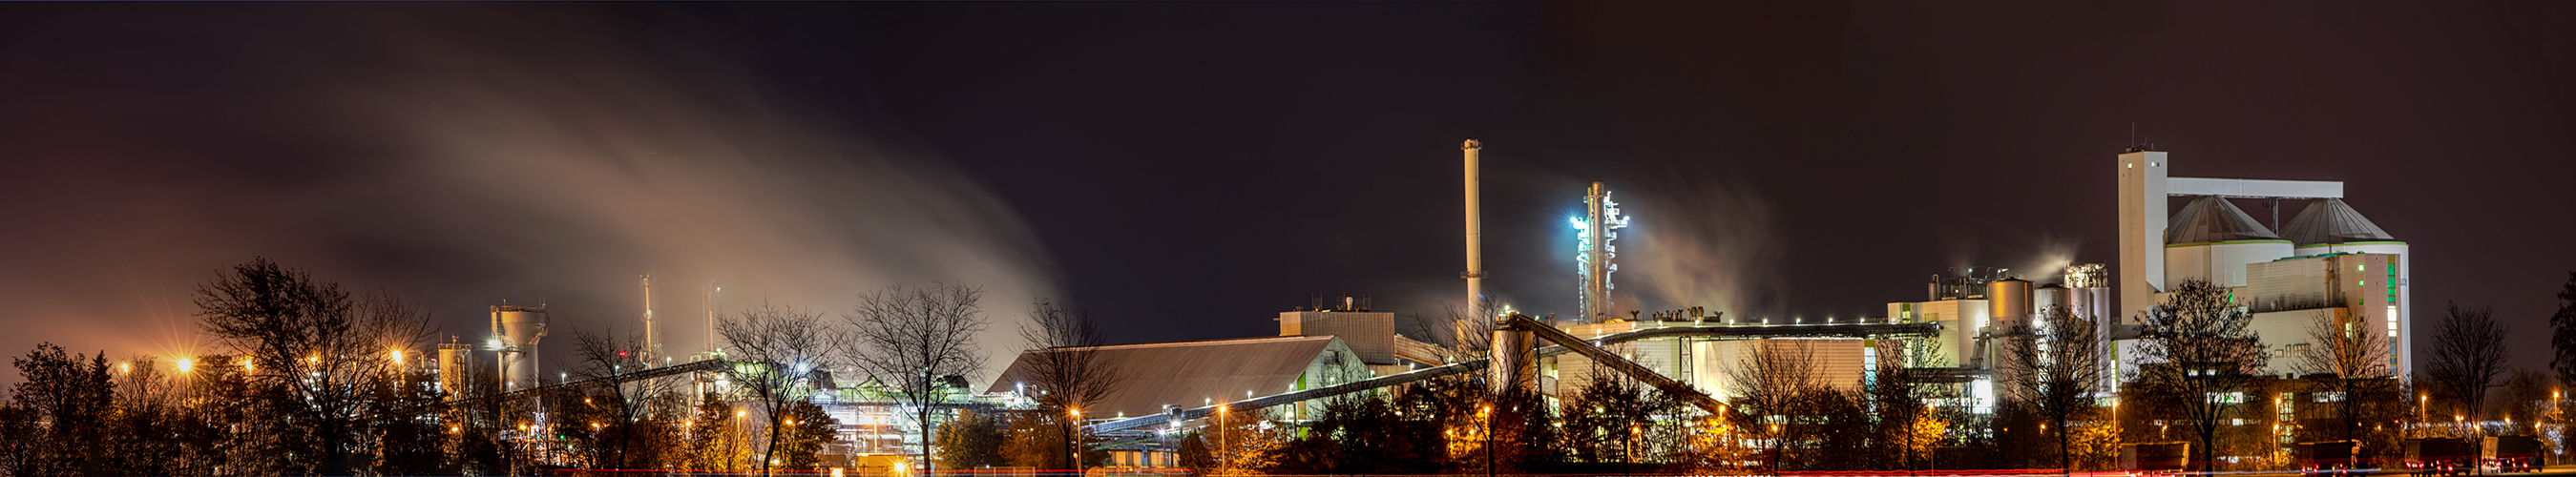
(715, 309)
(652, 336)
(1475, 233)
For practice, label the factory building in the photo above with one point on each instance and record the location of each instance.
(1700, 361)
(1979, 307)
(1190, 374)
(2328, 263)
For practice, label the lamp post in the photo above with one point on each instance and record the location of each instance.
(1073, 441)
(1224, 455)
(1631, 456)
(1487, 414)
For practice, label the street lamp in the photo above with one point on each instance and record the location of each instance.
(1073, 440)
(1223, 457)
(1486, 413)
(1631, 457)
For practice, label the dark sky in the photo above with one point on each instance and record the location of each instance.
(1187, 170)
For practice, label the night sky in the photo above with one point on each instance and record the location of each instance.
(1187, 170)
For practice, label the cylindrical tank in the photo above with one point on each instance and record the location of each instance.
(455, 369)
(518, 328)
(1515, 361)
(2050, 297)
(2008, 301)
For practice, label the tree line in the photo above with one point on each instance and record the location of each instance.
(313, 379)
(2049, 408)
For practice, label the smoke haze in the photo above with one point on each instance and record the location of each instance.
(462, 160)
(1702, 240)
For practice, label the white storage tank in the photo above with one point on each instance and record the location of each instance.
(2331, 226)
(2211, 239)
(515, 330)
(2050, 296)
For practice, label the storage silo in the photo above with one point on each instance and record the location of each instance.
(516, 330)
(2211, 239)
(456, 369)
(2331, 226)
(2009, 303)
(2046, 298)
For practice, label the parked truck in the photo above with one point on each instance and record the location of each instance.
(2329, 458)
(2440, 456)
(2510, 454)
(2155, 458)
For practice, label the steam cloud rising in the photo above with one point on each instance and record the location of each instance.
(460, 158)
(1707, 242)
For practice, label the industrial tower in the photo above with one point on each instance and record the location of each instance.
(1594, 254)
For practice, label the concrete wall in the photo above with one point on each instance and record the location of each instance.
(2222, 262)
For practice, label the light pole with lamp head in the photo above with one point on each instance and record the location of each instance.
(1073, 441)
(1487, 414)
(1224, 455)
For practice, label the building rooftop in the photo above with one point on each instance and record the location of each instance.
(2327, 221)
(2212, 219)
(1193, 373)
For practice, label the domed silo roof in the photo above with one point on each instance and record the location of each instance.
(2328, 221)
(2212, 219)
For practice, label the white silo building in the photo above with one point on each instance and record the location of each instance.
(515, 331)
(2328, 263)
(2211, 239)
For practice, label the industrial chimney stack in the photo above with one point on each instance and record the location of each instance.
(652, 336)
(1475, 233)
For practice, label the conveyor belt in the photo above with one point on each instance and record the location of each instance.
(1293, 396)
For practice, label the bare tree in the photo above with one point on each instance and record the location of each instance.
(318, 347)
(1065, 364)
(779, 350)
(626, 400)
(2562, 336)
(2057, 366)
(2347, 359)
(2468, 355)
(1903, 392)
(1775, 381)
(2205, 355)
(913, 337)
(1469, 331)
(2562, 343)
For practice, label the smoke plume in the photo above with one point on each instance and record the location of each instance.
(461, 157)
(1711, 240)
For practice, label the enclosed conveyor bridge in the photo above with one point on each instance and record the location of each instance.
(706, 365)
(1180, 415)
(1564, 343)
(1747, 332)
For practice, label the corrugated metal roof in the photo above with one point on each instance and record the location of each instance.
(2331, 221)
(1191, 373)
(2212, 219)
